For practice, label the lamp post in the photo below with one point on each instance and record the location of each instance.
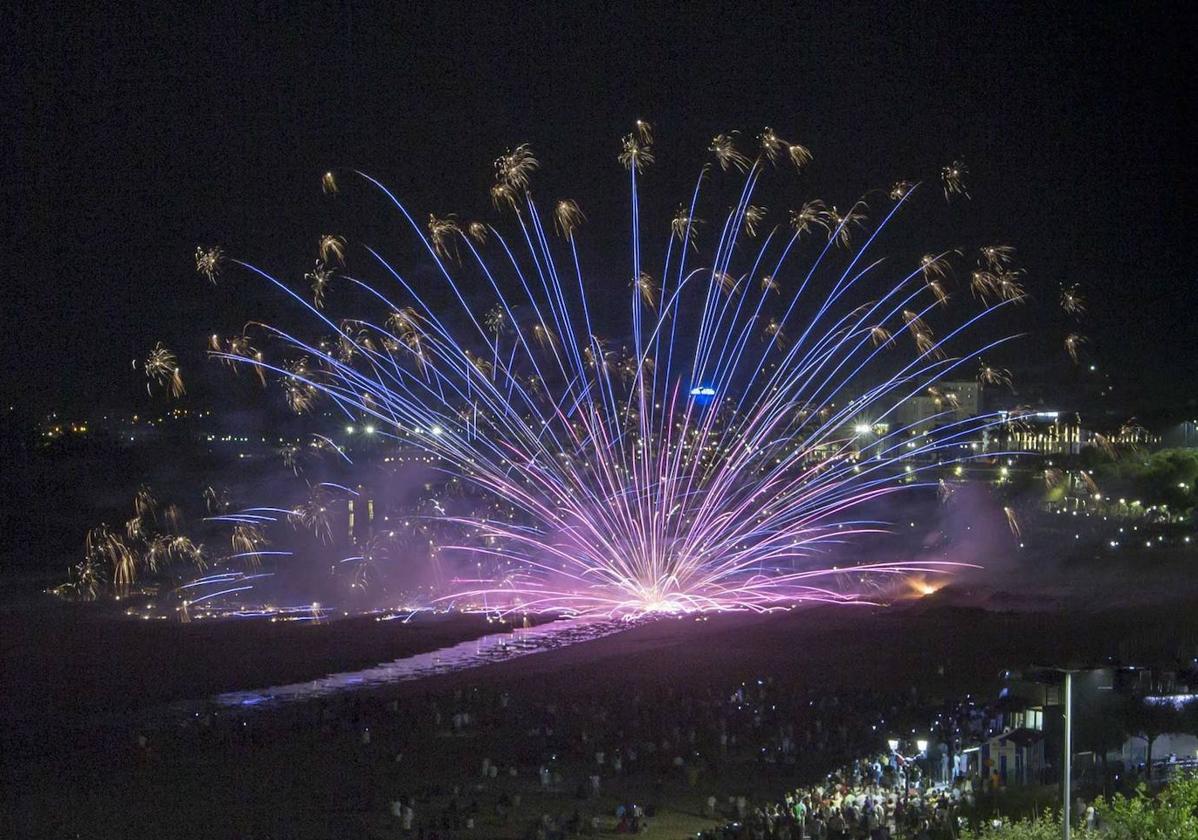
(1067, 768)
(921, 744)
(1068, 751)
(893, 743)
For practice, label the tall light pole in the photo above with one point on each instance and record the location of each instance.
(1068, 750)
(921, 744)
(1066, 781)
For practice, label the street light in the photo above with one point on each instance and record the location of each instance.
(901, 764)
(1068, 749)
(921, 745)
(1066, 779)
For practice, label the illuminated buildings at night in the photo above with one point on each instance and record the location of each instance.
(1043, 433)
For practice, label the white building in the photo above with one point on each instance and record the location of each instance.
(944, 402)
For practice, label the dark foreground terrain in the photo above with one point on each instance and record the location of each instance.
(309, 771)
(65, 662)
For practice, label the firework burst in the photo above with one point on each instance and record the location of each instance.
(1012, 521)
(635, 153)
(567, 217)
(514, 167)
(753, 216)
(208, 262)
(318, 280)
(116, 562)
(162, 369)
(723, 146)
(331, 248)
(1073, 346)
(684, 227)
(1072, 301)
(693, 469)
(953, 179)
(990, 375)
(442, 233)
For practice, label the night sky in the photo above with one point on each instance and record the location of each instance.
(139, 135)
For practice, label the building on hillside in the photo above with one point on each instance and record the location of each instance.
(1043, 432)
(1182, 436)
(944, 402)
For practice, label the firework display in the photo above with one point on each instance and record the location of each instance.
(703, 451)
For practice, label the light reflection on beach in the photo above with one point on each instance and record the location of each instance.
(485, 650)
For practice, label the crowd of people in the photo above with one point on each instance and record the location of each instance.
(547, 764)
(868, 799)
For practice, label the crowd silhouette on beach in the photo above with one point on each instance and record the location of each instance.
(764, 759)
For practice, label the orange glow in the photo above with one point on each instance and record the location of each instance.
(921, 587)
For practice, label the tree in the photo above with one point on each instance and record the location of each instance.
(1189, 718)
(1149, 721)
(1047, 826)
(1098, 727)
(1170, 815)
(1168, 477)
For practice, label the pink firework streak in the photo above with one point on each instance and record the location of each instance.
(707, 464)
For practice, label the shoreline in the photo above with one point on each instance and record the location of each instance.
(78, 663)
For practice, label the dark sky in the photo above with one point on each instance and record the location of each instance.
(138, 135)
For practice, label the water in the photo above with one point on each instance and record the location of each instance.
(485, 650)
